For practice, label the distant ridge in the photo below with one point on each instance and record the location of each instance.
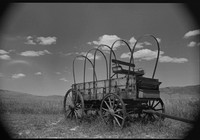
(13, 93)
(20, 94)
(189, 90)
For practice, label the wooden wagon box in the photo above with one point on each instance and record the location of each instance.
(144, 93)
(97, 90)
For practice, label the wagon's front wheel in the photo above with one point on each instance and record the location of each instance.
(112, 110)
(73, 105)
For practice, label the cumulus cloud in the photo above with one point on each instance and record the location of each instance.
(19, 62)
(158, 39)
(193, 44)
(34, 53)
(64, 79)
(89, 56)
(68, 54)
(107, 40)
(3, 52)
(38, 73)
(172, 59)
(46, 40)
(30, 40)
(19, 75)
(110, 39)
(132, 42)
(5, 57)
(58, 72)
(33, 40)
(192, 33)
(146, 54)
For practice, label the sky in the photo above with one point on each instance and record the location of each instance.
(39, 41)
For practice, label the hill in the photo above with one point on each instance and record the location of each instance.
(12, 101)
(187, 90)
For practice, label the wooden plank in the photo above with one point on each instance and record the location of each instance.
(123, 63)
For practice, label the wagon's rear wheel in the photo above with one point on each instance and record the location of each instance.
(156, 105)
(112, 110)
(73, 105)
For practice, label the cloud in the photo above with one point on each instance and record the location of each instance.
(146, 54)
(89, 56)
(64, 79)
(192, 33)
(132, 42)
(172, 59)
(19, 62)
(193, 44)
(68, 54)
(46, 40)
(107, 40)
(32, 40)
(38, 73)
(57, 72)
(158, 39)
(110, 39)
(5, 57)
(34, 53)
(3, 52)
(19, 75)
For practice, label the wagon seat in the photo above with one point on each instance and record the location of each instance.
(118, 69)
(143, 83)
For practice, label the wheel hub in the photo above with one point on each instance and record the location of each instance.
(111, 111)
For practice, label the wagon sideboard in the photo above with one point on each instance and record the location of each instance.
(97, 90)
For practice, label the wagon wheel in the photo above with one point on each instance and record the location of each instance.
(156, 105)
(112, 110)
(73, 105)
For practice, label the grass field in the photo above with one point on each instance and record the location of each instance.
(28, 116)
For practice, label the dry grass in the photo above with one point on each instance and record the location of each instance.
(42, 117)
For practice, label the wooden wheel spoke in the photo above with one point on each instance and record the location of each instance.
(68, 114)
(119, 116)
(156, 104)
(116, 105)
(118, 110)
(158, 109)
(78, 106)
(105, 115)
(110, 103)
(107, 104)
(75, 113)
(105, 109)
(152, 103)
(68, 110)
(117, 121)
(153, 117)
